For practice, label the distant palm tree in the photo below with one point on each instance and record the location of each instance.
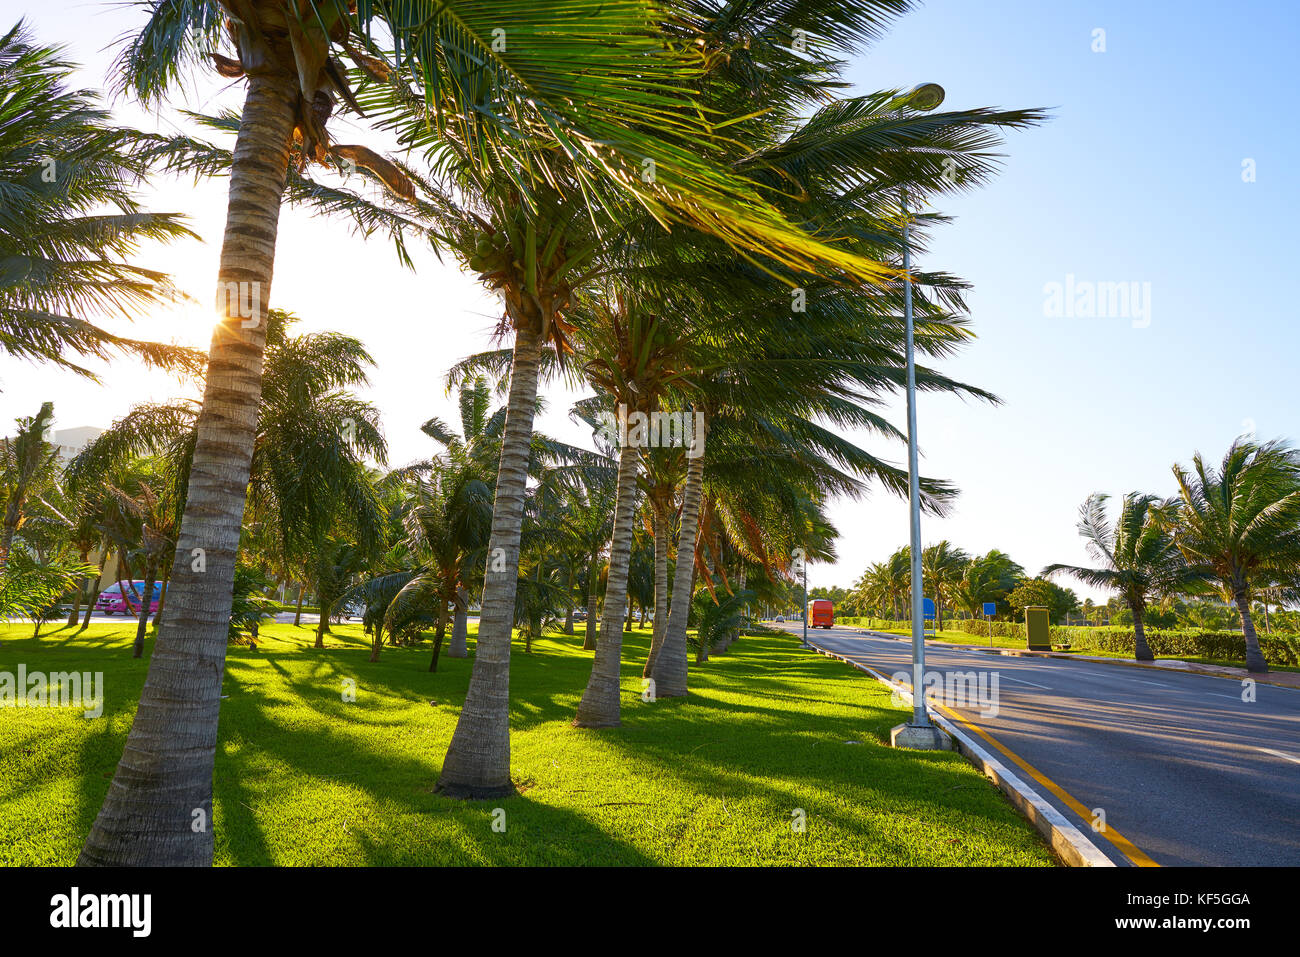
(719, 620)
(1242, 522)
(943, 566)
(872, 591)
(631, 356)
(587, 523)
(30, 586)
(310, 446)
(447, 525)
(337, 568)
(28, 466)
(1139, 558)
(157, 520)
(71, 221)
(987, 578)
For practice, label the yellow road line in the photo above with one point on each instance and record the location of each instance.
(1122, 844)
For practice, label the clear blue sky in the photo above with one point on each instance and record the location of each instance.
(1137, 178)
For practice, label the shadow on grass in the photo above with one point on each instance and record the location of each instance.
(293, 753)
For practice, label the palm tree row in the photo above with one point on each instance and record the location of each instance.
(768, 316)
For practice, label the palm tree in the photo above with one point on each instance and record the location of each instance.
(1242, 522)
(849, 159)
(1138, 555)
(587, 523)
(872, 589)
(447, 526)
(899, 565)
(28, 466)
(719, 620)
(943, 566)
(987, 578)
(156, 519)
(29, 587)
(337, 568)
(630, 355)
(472, 455)
(71, 222)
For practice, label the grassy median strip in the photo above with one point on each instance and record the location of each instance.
(769, 739)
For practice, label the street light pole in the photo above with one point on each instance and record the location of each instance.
(920, 732)
(805, 601)
(920, 718)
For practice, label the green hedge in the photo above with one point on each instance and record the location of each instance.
(1278, 649)
(1224, 645)
(875, 623)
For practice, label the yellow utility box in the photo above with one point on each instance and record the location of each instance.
(1038, 628)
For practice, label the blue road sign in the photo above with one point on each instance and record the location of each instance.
(990, 608)
(927, 607)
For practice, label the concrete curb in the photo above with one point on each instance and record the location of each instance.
(1124, 662)
(1067, 841)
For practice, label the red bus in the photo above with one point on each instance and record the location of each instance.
(821, 613)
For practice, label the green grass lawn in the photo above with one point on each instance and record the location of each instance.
(303, 777)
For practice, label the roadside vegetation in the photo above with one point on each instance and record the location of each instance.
(1190, 575)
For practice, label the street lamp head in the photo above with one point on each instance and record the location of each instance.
(925, 97)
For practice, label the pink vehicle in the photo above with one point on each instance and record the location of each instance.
(111, 602)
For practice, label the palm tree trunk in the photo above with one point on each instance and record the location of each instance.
(599, 707)
(437, 649)
(76, 602)
(297, 617)
(460, 627)
(477, 764)
(590, 639)
(568, 598)
(442, 619)
(1254, 656)
(1140, 650)
(146, 599)
(93, 596)
(13, 515)
(75, 613)
(162, 597)
(158, 810)
(671, 663)
(323, 624)
(534, 616)
(440, 634)
(378, 643)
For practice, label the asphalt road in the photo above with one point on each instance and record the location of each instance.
(1186, 772)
